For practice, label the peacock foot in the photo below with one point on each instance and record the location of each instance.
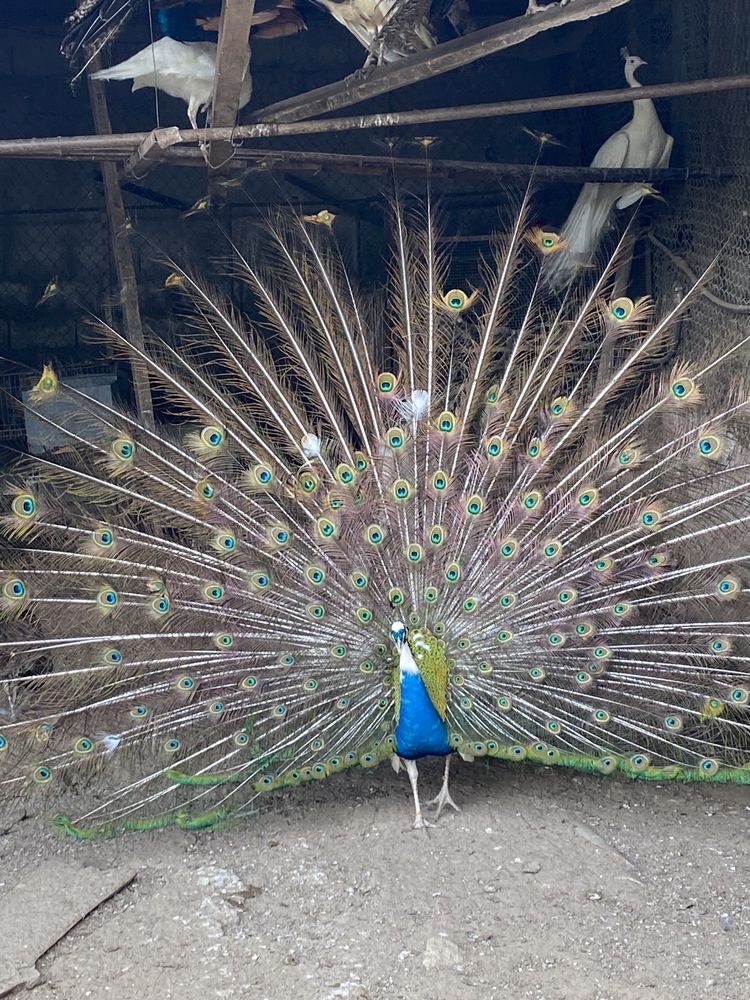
(420, 823)
(443, 799)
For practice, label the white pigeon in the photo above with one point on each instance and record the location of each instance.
(641, 143)
(181, 69)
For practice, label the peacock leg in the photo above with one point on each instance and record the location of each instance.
(443, 797)
(420, 823)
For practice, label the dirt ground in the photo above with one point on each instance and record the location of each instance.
(547, 886)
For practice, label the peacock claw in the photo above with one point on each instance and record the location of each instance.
(420, 823)
(441, 800)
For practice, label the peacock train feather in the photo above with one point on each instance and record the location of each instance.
(522, 535)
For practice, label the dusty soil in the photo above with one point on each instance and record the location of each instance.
(547, 886)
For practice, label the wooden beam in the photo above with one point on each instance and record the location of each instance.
(121, 146)
(232, 62)
(123, 254)
(432, 62)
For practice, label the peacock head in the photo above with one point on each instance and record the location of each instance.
(632, 63)
(398, 633)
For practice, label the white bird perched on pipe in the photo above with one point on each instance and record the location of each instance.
(641, 143)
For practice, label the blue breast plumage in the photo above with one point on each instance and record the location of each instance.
(420, 731)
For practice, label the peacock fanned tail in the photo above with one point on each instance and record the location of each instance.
(196, 614)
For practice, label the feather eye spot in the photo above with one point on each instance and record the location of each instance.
(535, 448)
(344, 473)
(401, 490)
(651, 519)
(311, 684)
(359, 580)
(584, 629)
(709, 767)
(452, 572)
(537, 674)
(224, 640)
(567, 596)
(124, 449)
(160, 605)
(279, 711)
(387, 383)
(139, 712)
(446, 422)
(504, 703)
(639, 762)
(508, 548)
(15, 589)
(587, 498)
(212, 436)
(556, 639)
(339, 651)
(108, 598)
(3, 743)
(474, 505)
(470, 605)
(24, 505)
(437, 535)
(364, 615)
(730, 586)
(720, 645)
(41, 775)
(308, 483)
(709, 446)
(621, 309)
(431, 594)
(213, 592)
(739, 696)
(507, 600)
(414, 553)
(504, 635)
(584, 679)
(83, 745)
(601, 717)
(552, 549)
(395, 438)
(366, 667)
(205, 489)
(374, 534)
(316, 611)
(396, 597)
(531, 500)
(103, 537)
(249, 683)
(682, 389)
(558, 406)
(326, 528)
(440, 481)
(602, 652)
(673, 723)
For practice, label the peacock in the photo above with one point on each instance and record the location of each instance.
(641, 143)
(436, 520)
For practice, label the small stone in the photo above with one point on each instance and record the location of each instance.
(441, 953)
(531, 868)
